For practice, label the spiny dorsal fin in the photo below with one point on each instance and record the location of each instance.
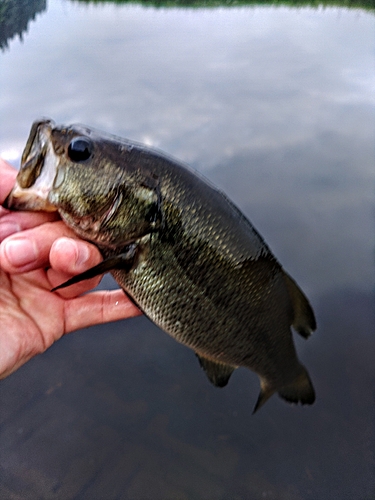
(217, 373)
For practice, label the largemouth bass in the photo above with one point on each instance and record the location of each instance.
(178, 247)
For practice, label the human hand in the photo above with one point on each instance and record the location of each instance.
(38, 252)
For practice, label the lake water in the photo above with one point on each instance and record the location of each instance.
(276, 107)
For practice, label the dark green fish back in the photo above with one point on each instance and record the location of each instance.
(210, 281)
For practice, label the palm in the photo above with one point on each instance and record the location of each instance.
(31, 317)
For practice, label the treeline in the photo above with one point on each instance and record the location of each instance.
(15, 16)
(358, 4)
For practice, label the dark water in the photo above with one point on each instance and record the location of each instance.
(275, 106)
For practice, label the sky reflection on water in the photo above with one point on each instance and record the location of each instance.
(276, 107)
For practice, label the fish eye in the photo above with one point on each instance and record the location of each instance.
(80, 149)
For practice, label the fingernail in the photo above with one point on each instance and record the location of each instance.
(79, 251)
(83, 254)
(8, 228)
(20, 252)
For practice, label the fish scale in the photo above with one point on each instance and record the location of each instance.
(178, 247)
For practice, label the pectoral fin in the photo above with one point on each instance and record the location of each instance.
(217, 373)
(123, 261)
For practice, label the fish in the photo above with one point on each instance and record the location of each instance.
(178, 247)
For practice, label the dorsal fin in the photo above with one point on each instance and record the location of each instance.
(303, 315)
(217, 373)
(300, 390)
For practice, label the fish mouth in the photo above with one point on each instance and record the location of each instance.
(37, 172)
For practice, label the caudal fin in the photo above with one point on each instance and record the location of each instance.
(303, 315)
(300, 390)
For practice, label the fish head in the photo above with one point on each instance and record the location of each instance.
(95, 182)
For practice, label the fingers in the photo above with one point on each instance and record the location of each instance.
(72, 256)
(55, 246)
(69, 257)
(14, 222)
(97, 308)
(30, 249)
(8, 178)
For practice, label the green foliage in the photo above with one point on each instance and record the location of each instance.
(359, 4)
(15, 16)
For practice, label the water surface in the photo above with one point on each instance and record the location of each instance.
(275, 106)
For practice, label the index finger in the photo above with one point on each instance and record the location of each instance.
(8, 176)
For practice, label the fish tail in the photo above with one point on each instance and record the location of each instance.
(303, 316)
(300, 390)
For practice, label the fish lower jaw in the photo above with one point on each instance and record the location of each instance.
(28, 199)
(86, 226)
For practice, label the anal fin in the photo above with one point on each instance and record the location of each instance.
(218, 373)
(266, 392)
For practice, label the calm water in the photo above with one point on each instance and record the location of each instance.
(275, 106)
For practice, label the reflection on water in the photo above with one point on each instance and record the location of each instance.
(276, 107)
(15, 17)
(125, 413)
(364, 4)
(16, 14)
